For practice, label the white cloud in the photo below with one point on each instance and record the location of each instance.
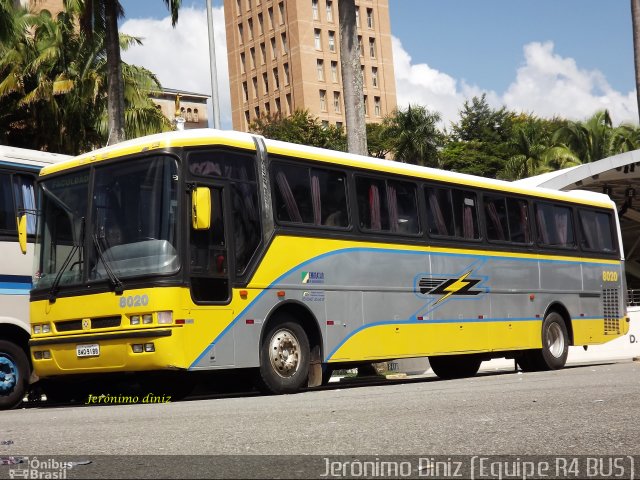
(180, 56)
(546, 85)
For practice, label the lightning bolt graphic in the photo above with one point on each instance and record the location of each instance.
(454, 287)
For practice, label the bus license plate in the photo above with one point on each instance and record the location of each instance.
(92, 350)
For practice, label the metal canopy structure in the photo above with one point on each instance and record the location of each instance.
(618, 177)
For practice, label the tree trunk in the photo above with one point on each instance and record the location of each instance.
(115, 89)
(352, 78)
(635, 18)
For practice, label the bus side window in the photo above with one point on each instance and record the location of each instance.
(7, 214)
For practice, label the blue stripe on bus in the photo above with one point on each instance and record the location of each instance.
(383, 250)
(15, 284)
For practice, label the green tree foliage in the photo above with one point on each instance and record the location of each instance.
(479, 142)
(414, 135)
(302, 128)
(52, 74)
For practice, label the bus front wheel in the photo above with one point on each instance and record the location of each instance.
(284, 357)
(14, 374)
(448, 367)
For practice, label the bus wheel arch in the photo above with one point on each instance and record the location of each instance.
(561, 310)
(15, 365)
(299, 334)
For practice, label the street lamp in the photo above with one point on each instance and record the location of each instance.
(214, 75)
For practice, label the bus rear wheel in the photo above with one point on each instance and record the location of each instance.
(448, 367)
(14, 374)
(555, 347)
(284, 357)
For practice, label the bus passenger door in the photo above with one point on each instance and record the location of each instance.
(208, 259)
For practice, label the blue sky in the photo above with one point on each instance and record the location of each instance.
(548, 57)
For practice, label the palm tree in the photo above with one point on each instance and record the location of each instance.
(589, 140)
(6, 20)
(53, 74)
(102, 16)
(635, 20)
(415, 135)
(352, 78)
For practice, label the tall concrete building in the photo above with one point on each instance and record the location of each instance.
(284, 55)
(54, 6)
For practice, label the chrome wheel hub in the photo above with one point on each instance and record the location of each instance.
(284, 353)
(555, 340)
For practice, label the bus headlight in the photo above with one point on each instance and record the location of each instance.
(147, 319)
(41, 328)
(135, 320)
(165, 318)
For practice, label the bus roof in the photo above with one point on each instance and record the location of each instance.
(33, 158)
(206, 136)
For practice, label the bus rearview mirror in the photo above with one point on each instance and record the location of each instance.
(22, 233)
(201, 208)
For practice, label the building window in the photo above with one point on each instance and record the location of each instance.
(267, 109)
(189, 117)
(339, 125)
(286, 73)
(196, 117)
(329, 11)
(336, 102)
(317, 41)
(285, 46)
(281, 9)
(288, 99)
(334, 71)
(265, 82)
(270, 13)
(243, 61)
(274, 50)
(276, 79)
(332, 41)
(238, 7)
(365, 100)
(360, 46)
(250, 27)
(263, 53)
(377, 107)
(248, 5)
(260, 24)
(357, 17)
(278, 109)
(254, 80)
(372, 47)
(374, 76)
(246, 118)
(320, 69)
(323, 100)
(252, 55)
(314, 9)
(370, 18)
(256, 111)
(364, 77)
(245, 91)
(241, 33)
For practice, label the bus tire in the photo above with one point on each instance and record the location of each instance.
(448, 367)
(555, 347)
(14, 374)
(555, 342)
(284, 357)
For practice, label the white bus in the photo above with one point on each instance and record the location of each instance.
(18, 170)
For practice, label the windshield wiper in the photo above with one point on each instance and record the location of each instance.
(53, 291)
(118, 288)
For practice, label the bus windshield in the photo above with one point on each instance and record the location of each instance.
(129, 229)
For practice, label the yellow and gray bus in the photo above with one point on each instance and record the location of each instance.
(210, 250)
(18, 171)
